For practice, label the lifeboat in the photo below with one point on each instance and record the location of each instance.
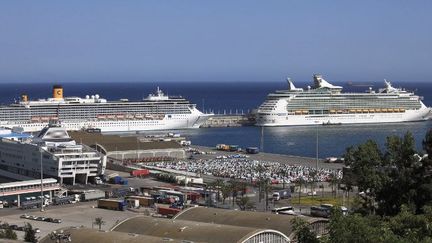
(377, 110)
(101, 117)
(340, 111)
(120, 116)
(305, 112)
(129, 116)
(352, 111)
(45, 118)
(384, 110)
(365, 110)
(111, 116)
(359, 111)
(371, 110)
(298, 112)
(390, 110)
(139, 116)
(54, 118)
(332, 111)
(402, 110)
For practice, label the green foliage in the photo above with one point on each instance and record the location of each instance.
(391, 178)
(244, 203)
(302, 232)
(29, 233)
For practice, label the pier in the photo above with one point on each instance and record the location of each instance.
(235, 120)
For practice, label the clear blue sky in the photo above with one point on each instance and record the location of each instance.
(219, 40)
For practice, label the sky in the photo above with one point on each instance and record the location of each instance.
(202, 41)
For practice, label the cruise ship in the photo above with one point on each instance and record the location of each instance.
(156, 112)
(21, 155)
(326, 104)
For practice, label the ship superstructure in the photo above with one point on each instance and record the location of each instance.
(325, 103)
(156, 112)
(62, 157)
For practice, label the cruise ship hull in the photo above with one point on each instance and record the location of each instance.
(193, 121)
(356, 118)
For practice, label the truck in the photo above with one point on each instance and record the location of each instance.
(66, 200)
(122, 192)
(112, 204)
(98, 180)
(141, 172)
(32, 204)
(92, 195)
(169, 212)
(108, 177)
(143, 201)
(234, 148)
(281, 194)
(118, 180)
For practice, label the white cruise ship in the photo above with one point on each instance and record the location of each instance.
(156, 112)
(62, 158)
(327, 104)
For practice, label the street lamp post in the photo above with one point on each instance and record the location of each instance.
(41, 173)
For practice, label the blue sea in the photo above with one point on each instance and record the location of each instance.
(224, 97)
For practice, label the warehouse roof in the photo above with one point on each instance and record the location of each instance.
(92, 235)
(188, 230)
(251, 219)
(118, 143)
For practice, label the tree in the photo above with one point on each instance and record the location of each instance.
(29, 233)
(99, 222)
(302, 232)
(244, 203)
(226, 191)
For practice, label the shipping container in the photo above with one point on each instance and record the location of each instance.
(142, 172)
(112, 204)
(143, 201)
(169, 212)
(92, 195)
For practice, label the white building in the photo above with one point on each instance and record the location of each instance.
(62, 158)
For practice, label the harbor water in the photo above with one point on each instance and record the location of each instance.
(238, 97)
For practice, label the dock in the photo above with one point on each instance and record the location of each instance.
(230, 120)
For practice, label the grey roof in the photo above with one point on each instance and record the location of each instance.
(86, 235)
(118, 143)
(251, 219)
(187, 230)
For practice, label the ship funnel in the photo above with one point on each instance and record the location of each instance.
(57, 92)
(24, 98)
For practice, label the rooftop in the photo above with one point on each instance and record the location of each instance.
(118, 143)
(187, 230)
(251, 219)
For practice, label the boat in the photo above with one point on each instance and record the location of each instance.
(76, 113)
(62, 157)
(281, 107)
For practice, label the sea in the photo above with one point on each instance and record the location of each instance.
(242, 97)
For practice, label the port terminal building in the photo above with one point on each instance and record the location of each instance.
(127, 148)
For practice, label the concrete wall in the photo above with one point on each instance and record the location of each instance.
(137, 154)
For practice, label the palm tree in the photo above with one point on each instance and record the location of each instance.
(283, 173)
(300, 182)
(234, 189)
(99, 222)
(218, 185)
(226, 191)
(334, 182)
(260, 169)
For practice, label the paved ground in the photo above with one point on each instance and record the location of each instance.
(81, 214)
